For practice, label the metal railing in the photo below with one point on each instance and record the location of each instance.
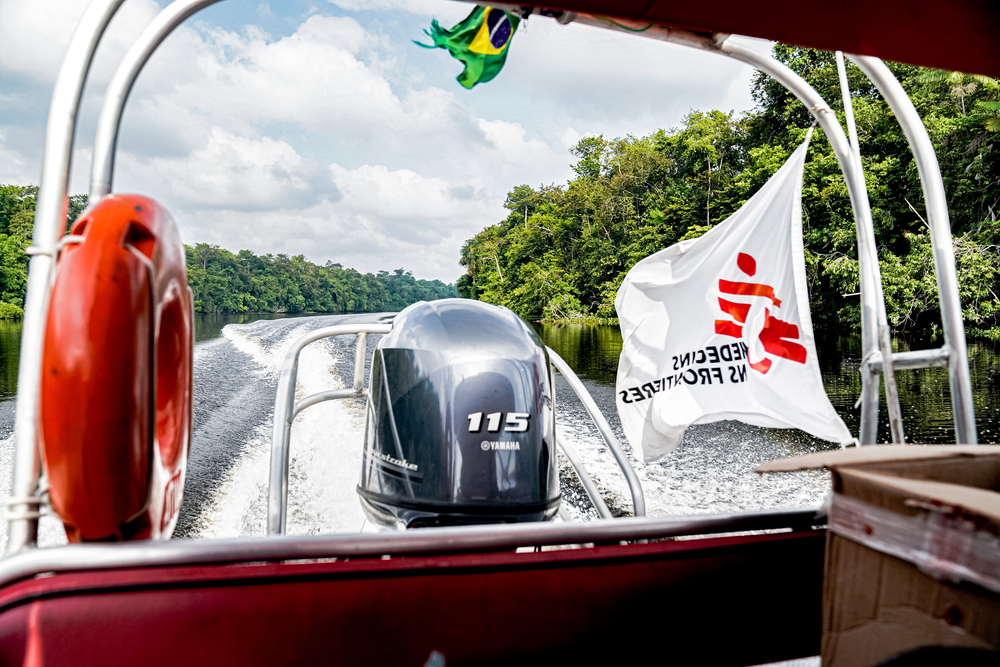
(61, 128)
(286, 408)
(638, 500)
(876, 343)
(102, 167)
(954, 350)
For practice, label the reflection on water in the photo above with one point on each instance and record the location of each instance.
(208, 326)
(924, 395)
(10, 354)
(593, 351)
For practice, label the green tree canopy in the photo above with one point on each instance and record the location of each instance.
(562, 251)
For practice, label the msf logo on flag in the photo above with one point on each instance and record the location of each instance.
(698, 316)
(775, 336)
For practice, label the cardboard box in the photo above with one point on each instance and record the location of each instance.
(912, 549)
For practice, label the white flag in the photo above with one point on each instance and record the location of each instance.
(718, 327)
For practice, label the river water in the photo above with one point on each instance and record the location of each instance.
(236, 365)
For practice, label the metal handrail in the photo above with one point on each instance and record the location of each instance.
(453, 539)
(638, 500)
(873, 312)
(585, 479)
(286, 408)
(935, 357)
(935, 200)
(884, 338)
(50, 220)
(102, 168)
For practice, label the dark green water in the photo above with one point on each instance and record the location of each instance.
(10, 354)
(206, 327)
(209, 326)
(593, 351)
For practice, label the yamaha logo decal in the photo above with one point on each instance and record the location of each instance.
(499, 446)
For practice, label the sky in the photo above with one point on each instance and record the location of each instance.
(317, 127)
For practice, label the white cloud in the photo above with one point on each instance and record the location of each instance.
(444, 12)
(383, 220)
(569, 137)
(605, 82)
(34, 35)
(13, 166)
(232, 172)
(512, 144)
(341, 140)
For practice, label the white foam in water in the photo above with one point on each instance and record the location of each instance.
(325, 452)
(50, 529)
(710, 472)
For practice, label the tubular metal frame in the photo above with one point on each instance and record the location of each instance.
(588, 484)
(936, 202)
(638, 500)
(884, 339)
(286, 408)
(61, 127)
(50, 220)
(875, 339)
(102, 169)
(873, 313)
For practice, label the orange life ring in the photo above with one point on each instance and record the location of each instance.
(116, 374)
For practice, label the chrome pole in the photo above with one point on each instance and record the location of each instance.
(845, 91)
(588, 483)
(285, 409)
(50, 223)
(936, 202)
(106, 140)
(872, 299)
(884, 339)
(638, 500)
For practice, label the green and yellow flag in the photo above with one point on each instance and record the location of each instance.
(480, 41)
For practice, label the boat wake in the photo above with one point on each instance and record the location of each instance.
(711, 472)
(326, 439)
(236, 377)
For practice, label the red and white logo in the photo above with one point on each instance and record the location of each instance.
(747, 276)
(775, 336)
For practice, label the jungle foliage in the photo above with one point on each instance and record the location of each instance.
(563, 251)
(224, 282)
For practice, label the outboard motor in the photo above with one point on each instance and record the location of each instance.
(461, 420)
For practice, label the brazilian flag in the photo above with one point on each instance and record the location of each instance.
(480, 41)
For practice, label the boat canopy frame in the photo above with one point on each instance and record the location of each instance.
(26, 499)
(287, 408)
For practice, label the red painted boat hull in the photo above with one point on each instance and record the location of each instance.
(737, 600)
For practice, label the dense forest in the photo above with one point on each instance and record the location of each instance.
(224, 282)
(563, 251)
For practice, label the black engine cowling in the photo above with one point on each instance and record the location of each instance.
(461, 421)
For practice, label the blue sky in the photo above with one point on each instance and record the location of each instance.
(318, 128)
